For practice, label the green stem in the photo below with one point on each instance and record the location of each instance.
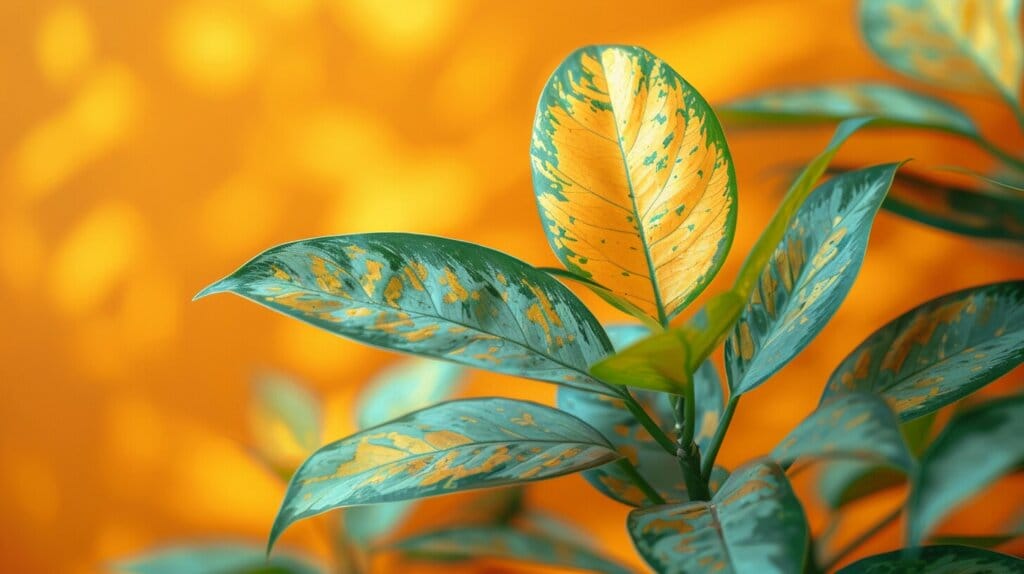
(640, 481)
(687, 452)
(716, 441)
(646, 421)
(999, 153)
(864, 537)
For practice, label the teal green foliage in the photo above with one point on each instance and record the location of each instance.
(938, 560)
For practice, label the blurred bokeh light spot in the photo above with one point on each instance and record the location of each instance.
(213, 46)
(238, 216)
(64, 44)
(21, 252)
(401, 28)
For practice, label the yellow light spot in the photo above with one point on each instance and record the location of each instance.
(213, 46)
(64, 44)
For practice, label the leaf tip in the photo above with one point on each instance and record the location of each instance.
(219, 286)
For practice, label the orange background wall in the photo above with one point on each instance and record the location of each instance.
(149, 147)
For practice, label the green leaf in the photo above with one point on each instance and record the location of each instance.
(890, 104)
(977, 447)
(753, 524)
(220, 558)
(979, 541)
(286, 422)
(973, 46)
(405, 387)
(611, 417)
(808, 275)
(508, 543)
(940, 351)
(853, 425)
(633, 177)
(938, 560)
(433, 297)
(454, 446)
(620, 303)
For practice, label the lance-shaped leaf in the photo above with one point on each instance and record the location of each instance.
(938, 560)
(224, 558)
(890, 104)
(285, 423)
(808, 276)
(964, 44)
(753, 524)
(610, 416)
(633, 177)
(940, 351)
(977, 447)
(853, 425)
(972, 212)
(430, 296)
(508, 543)
(460, 445)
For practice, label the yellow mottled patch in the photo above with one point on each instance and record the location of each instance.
(445, 439)
(856, 421)
(524, 420)
(920, 332)
(391, 322)
(280, 273)
(326, 280)
(393, 291)
(456, 291)
(420, 334)
(371, 277)
(746, 344)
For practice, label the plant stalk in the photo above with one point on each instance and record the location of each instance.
(646, 421)
(716, 441)
(864, 537)
(640, 481)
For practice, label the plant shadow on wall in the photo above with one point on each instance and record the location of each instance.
(636, 190)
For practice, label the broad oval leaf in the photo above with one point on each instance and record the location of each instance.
(633, 177)
(808, 276)
(890, 104)
(410, 385)
(459, 445)
(753, 524)
(610, 416)
(940, 351)
(285, 422)
(977, 447)
(938, 560)
(433, 297)
(966, 44)
(222, 558)
(853, 425)
(508, 543)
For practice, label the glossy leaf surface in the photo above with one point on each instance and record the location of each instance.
(808, 275)
(610, 416)
(966, 44)
(977, 447)
(286, 422)
(508, 543)
(890, 104)
(940, 351)
(459, 445)
(633, 177)
(430, 296)
(853, 425)
(228, 558)
(753, 524)
(938, 560)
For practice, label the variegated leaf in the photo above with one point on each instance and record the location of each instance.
(938, 560)
(940, 351)
(853, 425)
(610, 416)
(459, 445)
(977, 447)
(753, 524)
(286, 422)
(222, 558)
(890, 104)
(433, 297)
(633, 177)
(508, 543)
(808, 276)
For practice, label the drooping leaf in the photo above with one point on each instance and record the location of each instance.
(459, 445)
(619, 302)
(285, 422)
(433, 297)
(938, 560)
(853, 425)
(890, 104)
(633, 177)
(940, 351)
(610, 416)
(753, 524)
(405, 387)
(976, 447)
(222, 558)
(964, 44)
(659, 362)
(808, 276)
(508, 543)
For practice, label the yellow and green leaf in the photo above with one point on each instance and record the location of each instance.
(633, 177)
(940, 351)
(944, 559)
(808, 275)
(753, 524)
(459, 445)
(432, 297)
(965, 44)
